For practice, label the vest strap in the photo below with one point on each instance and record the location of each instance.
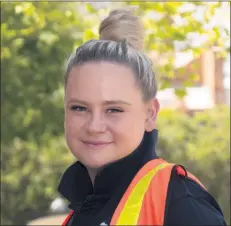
(129, 214)
(68, 218)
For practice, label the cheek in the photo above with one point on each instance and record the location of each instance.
(73, 124)
(129, 131)
(127, 140)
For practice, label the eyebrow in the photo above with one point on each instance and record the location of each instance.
(107, 102)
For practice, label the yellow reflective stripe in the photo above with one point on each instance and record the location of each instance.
(131, 211)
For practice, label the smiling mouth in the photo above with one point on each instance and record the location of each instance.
(96, 145)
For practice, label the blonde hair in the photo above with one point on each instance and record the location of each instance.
(121, 41)
(122, 24)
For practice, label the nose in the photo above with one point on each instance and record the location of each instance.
(96, 124)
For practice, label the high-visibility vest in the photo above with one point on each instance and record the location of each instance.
(144, 201)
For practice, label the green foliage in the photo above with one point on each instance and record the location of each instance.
(180, 92)
(163, 33)
(36, 39)
(30, 176)
(202, 144)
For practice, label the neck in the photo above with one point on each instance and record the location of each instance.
(92, 172)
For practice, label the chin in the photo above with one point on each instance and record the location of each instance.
(95, 159)
(95, 164)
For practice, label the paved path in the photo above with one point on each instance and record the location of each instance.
(49, 220)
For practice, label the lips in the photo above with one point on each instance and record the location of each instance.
(96, 144)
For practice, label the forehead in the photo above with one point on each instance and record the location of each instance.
(102, 80)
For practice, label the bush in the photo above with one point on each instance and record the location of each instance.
(30, 176)
(200, 142)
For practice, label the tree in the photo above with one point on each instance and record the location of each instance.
(36, 39)
(172, 27)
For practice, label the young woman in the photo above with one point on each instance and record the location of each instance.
(110, 116)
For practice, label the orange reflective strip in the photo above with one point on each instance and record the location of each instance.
(143, 171)
(144, 201)
(68, 218)
(154, 202)
(181, 171)
(131, 211)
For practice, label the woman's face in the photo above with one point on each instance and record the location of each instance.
(105, 116)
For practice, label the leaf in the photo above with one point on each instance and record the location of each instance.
(164, 85)
(188, 83)
(90, 8)
(180, 92)
(88, 35)
(194, 77)
(48, 37)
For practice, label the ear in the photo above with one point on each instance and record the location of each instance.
(152, 111)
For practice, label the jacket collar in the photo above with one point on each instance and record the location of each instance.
(75, 184)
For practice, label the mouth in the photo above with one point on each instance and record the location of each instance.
(96, 144)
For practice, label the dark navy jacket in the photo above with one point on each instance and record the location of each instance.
(187, 202)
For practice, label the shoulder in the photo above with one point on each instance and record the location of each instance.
(188, 203)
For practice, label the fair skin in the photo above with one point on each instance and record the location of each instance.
(105, 115)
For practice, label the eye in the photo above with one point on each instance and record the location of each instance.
(78, 108)
(114, 110)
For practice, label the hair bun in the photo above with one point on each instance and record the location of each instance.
(122, 24)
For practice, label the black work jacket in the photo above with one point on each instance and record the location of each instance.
(187, 202)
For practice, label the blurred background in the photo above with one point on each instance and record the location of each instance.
(189, 44)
